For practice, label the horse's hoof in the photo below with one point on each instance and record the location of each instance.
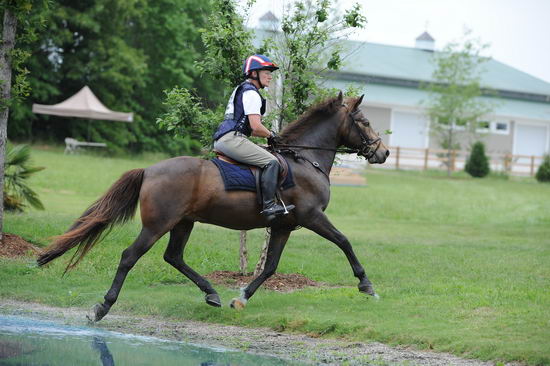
(97, 313)
(213, 300)
(366, 288)
(238, 304)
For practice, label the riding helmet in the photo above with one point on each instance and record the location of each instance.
(258, 62)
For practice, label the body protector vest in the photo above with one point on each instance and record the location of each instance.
(238, 120)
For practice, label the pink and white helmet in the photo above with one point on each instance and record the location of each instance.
(258, 62)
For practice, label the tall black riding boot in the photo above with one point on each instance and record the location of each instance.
(268, 181)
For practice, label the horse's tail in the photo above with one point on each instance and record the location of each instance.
(116, 206)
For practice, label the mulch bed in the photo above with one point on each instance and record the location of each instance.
(13, 246)
(282, 282)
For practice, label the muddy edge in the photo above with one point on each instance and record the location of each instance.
(262, 341)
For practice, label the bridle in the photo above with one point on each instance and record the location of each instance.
(368, 148)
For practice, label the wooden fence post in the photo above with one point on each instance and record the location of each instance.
(453, 158)
(426, 154)
(508, 159)
(397, 159)
(532, 165)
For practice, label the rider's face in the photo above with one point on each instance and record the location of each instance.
(265, 77)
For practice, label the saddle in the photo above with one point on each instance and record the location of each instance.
(283, 171)
(237, 176)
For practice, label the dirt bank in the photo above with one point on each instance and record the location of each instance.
(254, 340)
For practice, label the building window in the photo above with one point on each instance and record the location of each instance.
(483, 126)
(501, 127)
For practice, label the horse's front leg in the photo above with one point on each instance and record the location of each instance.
(276, 245)
(320, 224)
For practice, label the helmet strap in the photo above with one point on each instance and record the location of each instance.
(257, 78)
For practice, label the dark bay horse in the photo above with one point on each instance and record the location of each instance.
(177, 192)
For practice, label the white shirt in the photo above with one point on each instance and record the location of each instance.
(252, 103)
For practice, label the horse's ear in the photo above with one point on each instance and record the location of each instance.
(340, 98)
(358, 102)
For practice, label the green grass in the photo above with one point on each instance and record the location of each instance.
(461, 264)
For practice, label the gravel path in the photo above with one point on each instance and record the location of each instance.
(263, 341)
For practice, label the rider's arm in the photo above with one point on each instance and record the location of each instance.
(252, 104)
(258, 129)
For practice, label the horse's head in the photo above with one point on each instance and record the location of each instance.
(357, 132)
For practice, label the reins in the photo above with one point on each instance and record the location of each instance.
(366, 149)
(307, 147)
(366, 143)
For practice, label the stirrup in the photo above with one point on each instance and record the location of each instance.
(277, 210)
(287, 208)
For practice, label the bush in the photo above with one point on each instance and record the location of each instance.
(543, 173)
(478, 163)
(17, 171)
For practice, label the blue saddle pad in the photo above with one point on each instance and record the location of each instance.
(240, 177)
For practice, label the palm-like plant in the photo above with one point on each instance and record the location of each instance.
(17, 170)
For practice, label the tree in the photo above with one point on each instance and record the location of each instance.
(226, 43)
(478, 163)
(309, 44)
(27, 14)
(454, 104)
(128, 52)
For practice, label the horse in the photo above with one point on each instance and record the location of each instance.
(175, 193)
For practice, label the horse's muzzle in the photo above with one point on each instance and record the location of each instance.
(379, 157)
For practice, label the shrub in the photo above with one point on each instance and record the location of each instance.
(478, 163)
(543, 173)
(17, 170)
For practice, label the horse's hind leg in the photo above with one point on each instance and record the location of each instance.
(320, 224)
(275, 248)
(130, 256)
(174, 255)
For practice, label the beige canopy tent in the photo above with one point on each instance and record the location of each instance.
(83, 104)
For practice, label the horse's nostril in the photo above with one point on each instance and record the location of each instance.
(387, 153)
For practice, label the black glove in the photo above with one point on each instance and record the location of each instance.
(274, 139)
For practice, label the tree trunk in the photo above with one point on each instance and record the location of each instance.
(7, 45)
(449, 149)
(263, 255)
(243, 253)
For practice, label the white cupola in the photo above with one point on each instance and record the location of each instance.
(425, 42)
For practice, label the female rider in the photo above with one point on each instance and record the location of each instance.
(243, 118)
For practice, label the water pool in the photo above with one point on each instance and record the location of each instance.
(27, 341)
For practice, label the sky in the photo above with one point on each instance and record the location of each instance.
(517, 31)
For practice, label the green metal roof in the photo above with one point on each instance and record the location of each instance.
(390, 75)
(410, 97)
(415, 64)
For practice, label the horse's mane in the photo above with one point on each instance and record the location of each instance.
(309, 118)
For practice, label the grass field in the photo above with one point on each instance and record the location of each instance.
(461, 265)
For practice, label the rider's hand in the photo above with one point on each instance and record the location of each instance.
(274, 139)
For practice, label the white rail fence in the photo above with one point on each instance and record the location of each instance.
(428, 158)
(406, 157)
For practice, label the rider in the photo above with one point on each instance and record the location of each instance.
(243, 118)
